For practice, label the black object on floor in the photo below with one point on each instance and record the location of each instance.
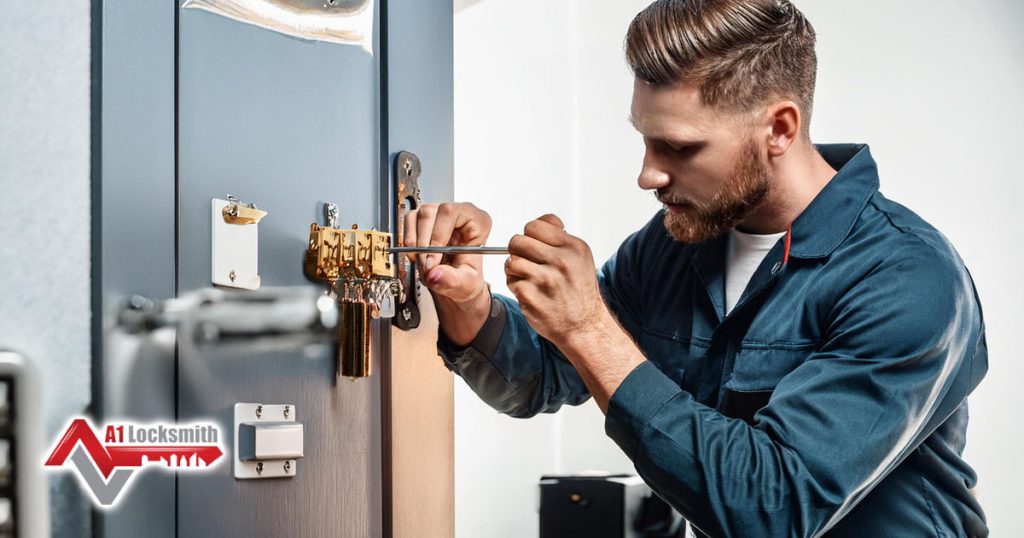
(603, 506)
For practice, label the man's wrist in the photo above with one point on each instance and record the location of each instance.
(461, 321)
(592, 334)
(604, 354)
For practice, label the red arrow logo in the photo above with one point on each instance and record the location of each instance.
(107, 458)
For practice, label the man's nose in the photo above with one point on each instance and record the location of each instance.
(652, 176)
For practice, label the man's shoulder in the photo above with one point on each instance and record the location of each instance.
(888, 233)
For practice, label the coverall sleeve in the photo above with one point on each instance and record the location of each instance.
(518, 372)
(895, 363)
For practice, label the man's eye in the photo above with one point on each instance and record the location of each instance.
(682, 150)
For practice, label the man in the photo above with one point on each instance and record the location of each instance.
(783, 351)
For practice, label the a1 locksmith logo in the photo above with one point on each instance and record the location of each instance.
(106, 467)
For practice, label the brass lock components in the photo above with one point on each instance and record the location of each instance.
(364, 278)
(354, 254)
(357, 265)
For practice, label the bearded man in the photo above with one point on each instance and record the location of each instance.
(783, 351)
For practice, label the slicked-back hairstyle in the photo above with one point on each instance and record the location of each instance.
(740, 53)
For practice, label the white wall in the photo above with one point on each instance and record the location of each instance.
(542, 93)
(513, 128)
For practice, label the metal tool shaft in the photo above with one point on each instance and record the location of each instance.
(449, 250)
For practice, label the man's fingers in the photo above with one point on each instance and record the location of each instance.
(409, 229)
(426, 216)
(460, 259)
(523, 290)
(547, 229)
(517, 268)
(553, 220)
(533, 249)
(409, 236)
(449, 220)
(442, 225)
(516, 285)
(521, 267)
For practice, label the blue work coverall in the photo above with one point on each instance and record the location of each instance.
(832, 400)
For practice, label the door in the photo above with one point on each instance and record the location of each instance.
(287, 124)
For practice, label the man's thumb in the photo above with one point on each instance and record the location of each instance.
(456, 283)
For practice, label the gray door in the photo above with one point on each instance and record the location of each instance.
(190, 106)
(286, 124)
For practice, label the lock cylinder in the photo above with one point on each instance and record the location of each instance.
(353, 339)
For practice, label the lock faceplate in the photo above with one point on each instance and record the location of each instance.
(407, 180)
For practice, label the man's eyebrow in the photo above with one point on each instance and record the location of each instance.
(678, 142)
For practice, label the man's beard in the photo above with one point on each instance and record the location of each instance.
(747, 187)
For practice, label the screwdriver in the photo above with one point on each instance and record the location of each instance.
(449, 250)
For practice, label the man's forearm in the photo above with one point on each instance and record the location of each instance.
(462, 321)
(603, 354)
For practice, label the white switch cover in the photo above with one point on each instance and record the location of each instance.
(235, 251)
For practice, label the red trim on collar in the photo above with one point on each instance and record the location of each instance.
(789, 235)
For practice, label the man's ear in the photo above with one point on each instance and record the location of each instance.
(783, 124)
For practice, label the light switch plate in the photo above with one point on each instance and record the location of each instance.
(254, 412)
(235, 255)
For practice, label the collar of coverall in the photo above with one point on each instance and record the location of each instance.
(831, 215)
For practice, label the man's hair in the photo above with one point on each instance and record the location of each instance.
(740, 53)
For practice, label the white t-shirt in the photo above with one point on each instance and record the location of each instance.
(745, 253)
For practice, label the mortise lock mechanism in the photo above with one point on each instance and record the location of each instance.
(365, 277)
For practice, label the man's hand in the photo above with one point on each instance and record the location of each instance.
(458, 287)
(552, 275)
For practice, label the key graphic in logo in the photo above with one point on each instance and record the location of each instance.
(105, 468)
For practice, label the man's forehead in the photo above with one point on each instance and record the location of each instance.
(674, 126)
(658, 109)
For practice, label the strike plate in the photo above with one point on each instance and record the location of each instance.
(254, 412)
